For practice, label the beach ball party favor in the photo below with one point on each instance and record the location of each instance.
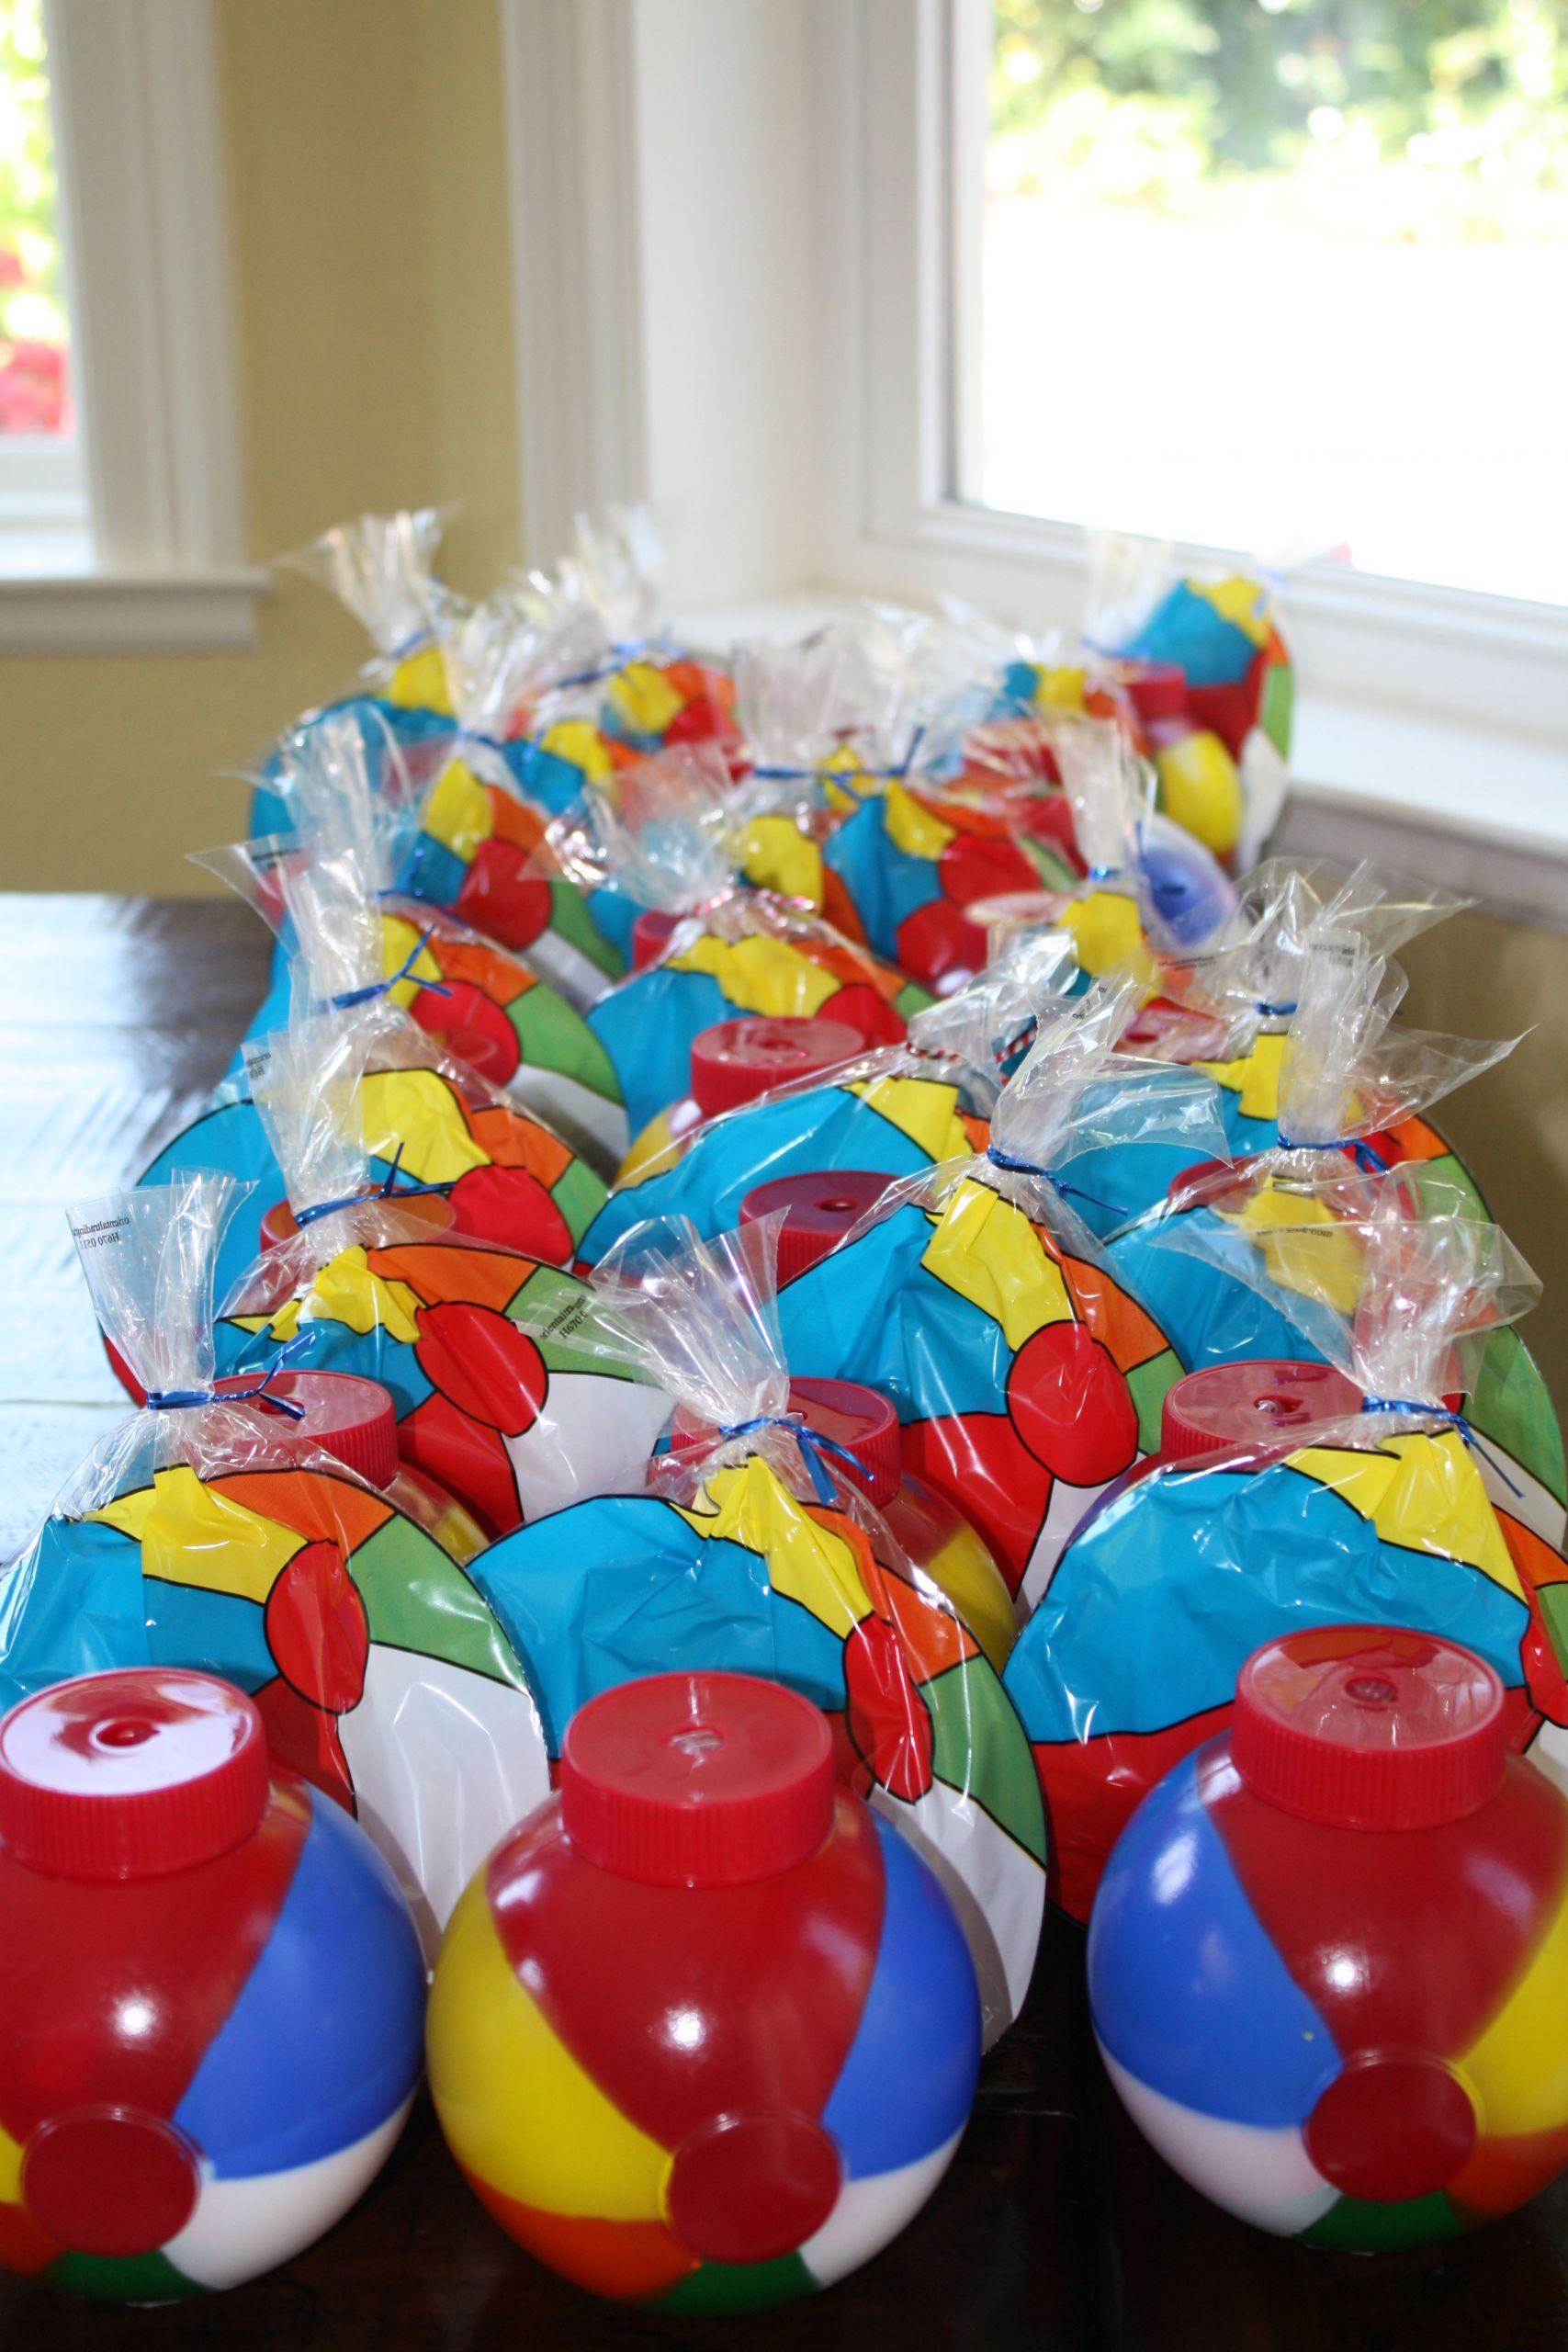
(376, 1667)
(1130, 1660)
(704, 2032)
(1329, 1963)
(212, 1993)
(745, 1574)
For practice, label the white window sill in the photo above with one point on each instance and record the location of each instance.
(47, 611)
(1479, 810)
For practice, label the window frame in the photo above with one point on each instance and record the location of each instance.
(144, 229)
(886, 69)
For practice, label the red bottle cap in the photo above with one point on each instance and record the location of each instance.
(1370, 1727)
(433, 1209)
(651, 935)
(864, 1421)
(351, 1418)
(697, 1780)
(735, 1061)
(819, 1210)
(1250, 1403)
(1155, 689)
(277, 1225)
(131, 1774)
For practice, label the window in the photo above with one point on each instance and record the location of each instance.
(119, 508)
(44, 507)
(846, 414)
(1271, 274)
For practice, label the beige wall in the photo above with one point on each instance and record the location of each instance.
(367, 152)
(1479, 977)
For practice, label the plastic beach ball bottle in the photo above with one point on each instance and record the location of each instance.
(1328, 1961)
(704, 2034)
(735, 1062)
(211, 1993)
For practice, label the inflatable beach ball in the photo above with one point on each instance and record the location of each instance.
(1328, 1959)
(704, 2034)
(211, 1992)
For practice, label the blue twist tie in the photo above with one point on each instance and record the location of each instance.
(845, 778)
(387, 1190)
(340, 1003)
(1275, 1012)
(622, 650)
(1369, 1162)
(1000, 1158)
(410, 644)
(812, 1445)
(1014, 1166)
(174, 1400)
(1444, 1413)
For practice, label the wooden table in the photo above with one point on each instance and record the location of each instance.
(1056, 2226)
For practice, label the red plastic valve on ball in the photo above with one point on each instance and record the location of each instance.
(651, 935)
